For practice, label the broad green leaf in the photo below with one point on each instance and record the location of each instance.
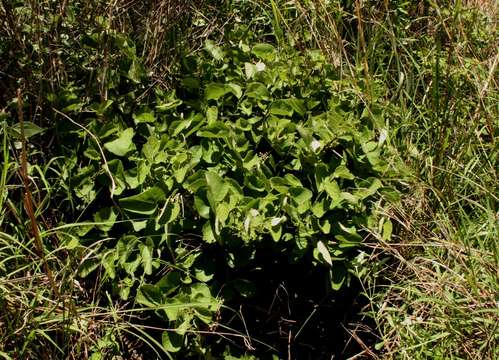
(347, 236)
(338, 276)
(297, 105)
(301, 198)
(144, 117)
(136, 72)
(369, 146)
(151, 148)
(77, 106)
(136, 176)
(387, 229)
(216, 130)
(115, 166)
(181, 172)
(324, 225)
(170, 102)
(169, 212)
(292, 180)
(190, 82)
(200, 293)
(281, 107)
(165, 106)
(172, 342)
(214, 50)
(195, 182)
(211, 152)
(216, 185)
(83, 183)
(235, 89)
(320, 207)
(342, 172)
(107, 217)
(215, 91)
(321, 174)
(212, 114)
(222, 212)
(88, 267)
(275, 228)
(109, 263)
(255, 182)
(106, 129)
(146, 254)
(131, 266)
(185, 323)
(208, 234)
(144, 203)
(324, 252)
(100, 108)
(30, 129)
(124, 288)
(176, 127)
(169, 283)
(349, 198)
(123, 144)
(333, 190)
(82, 230)
(264, 51)
(375, 160)
(204, 269)
(279, 184)
(139, 225)
(249, 70)
(257, 91)
(370, 191)
(174, 307)
(92, 153)
(149, 295)
(202, 275)
(201, 207)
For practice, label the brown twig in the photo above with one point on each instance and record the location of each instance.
(105, 166)
(28, 198)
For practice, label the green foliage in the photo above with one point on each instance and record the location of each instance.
(158, 193)
(272, 157)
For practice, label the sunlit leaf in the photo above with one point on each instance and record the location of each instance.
(214, 50)
(144, 203)
(264, 51)
(218, 188)
(324, 252)
(215, 91)
(144, 117)
(123, 144)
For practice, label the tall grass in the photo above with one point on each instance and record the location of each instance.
(436, 295)
(440, 297)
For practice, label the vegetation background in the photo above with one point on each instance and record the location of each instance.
(406, 92)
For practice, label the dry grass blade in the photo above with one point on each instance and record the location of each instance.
(28, 200)
(97, 142)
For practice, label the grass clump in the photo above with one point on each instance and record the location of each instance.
(440, 297)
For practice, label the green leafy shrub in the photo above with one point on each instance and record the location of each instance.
(254, 150)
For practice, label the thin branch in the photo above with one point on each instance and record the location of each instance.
(106, 167)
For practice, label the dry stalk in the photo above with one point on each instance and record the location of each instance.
(28, 198)
(106, 167)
